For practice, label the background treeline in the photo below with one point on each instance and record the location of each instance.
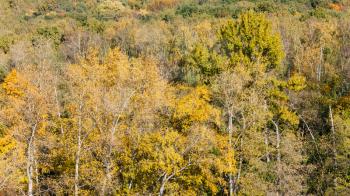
(175, 97)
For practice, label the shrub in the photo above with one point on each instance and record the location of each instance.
(50, 33)
(156, 5)
(188, 10)
(266, 6)
(5, 43)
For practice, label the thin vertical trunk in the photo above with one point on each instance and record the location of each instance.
(76, 175)
(77, 156)
(319, 68)
(29, 176)
(279, 170)
(333, 134)
(35, 166)
(239, 166)
(162, 187)
(240, 154)
(130, 185)
(58, 110)
(230, 127)
(313, 139)
(333, 144)
(266, 138)
(278, 140)
(267, 145)
(30, 158)
(108, 165)
(77, 160)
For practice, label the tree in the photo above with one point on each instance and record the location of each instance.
(201, 65)
(253, 51)
(25, 115)
(250, 39)
(193, 155)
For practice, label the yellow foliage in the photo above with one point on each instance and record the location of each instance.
(13, 84)
(194, 107)
(156, 5)
(279, 95)
(288, 116)
(7, 143)
(110, 7)
(115, 67)
(297, 82)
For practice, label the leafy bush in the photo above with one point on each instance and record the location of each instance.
(50, 33)
(3, 73)
(188, 10)
(318, 13)
(266, 6)
(109, 9)
(156, 5)
(5, 43)
(96, 25)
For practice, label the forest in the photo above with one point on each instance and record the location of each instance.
(174, 97)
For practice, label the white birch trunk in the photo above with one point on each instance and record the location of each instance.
(30, 158)
(77, 155)
(333, 144)
(279, 169)
(230, 127)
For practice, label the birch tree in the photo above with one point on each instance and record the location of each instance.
(25, 114)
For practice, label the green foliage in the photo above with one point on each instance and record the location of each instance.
(250, 39)
(279, 98)
(50, 33)
(3, 73)
(266, 6)
(95, 25)
(318, 13)
(319, 3)
(201, 65)
(188, 10)
(5, 43)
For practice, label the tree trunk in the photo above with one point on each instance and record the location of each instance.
(77, 156)
(166, 178)
(230, 127)
(108, 166)
(279, 170)
(109, 155)
(239, 167)
(162, 187)
(313, 139)
(58, 110)
(266, 139)
(77, 160)
(267, 145)
(319, 68)
(76, 175)
(29, 176)
(333, 144)
(108, 175)
(30, 158)
(35, 167)
(240, 154)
